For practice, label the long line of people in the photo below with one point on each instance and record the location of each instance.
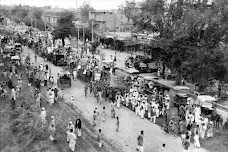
(189, 122)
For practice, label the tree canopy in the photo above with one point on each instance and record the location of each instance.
(190, 33)
(28, 15)
(65, 26)
(85, 9)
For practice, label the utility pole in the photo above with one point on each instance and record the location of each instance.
(83, 38)
(31, 22)
(45, 25)
(92, 31)
(35, 23)
(78, 38)
(77, 25)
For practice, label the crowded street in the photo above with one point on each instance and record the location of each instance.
(113, 76)
(130, 124)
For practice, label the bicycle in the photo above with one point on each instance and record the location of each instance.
(165, 129)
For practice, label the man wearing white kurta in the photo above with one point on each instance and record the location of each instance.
(43, 115)
(74, 74)
(72, 140)
(118, 100)
(142, 109)
(197, 113)
(137, 108)
(156, 109)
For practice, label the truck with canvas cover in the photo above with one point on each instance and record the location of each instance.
(17, 48)
(59, 60)
(64, 79)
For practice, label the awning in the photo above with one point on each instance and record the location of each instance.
(110, 36)
(131, 43)
(15, 58)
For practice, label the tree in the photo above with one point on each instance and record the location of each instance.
(65, 26)
(190, 34)
(19, 12)
(85, 9)
(37, 13)
(4, 11)
(129, 9)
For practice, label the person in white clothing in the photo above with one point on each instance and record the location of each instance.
(13, 93)
(17, 92)
(197, 113)
(70, 126)
(142, 109)
(74, 74)
(118, 99)
(157, 109)
(153, 115)
(23, 59)
(51, 97)
(43, 115)
(19, 83)
(196, 140)
(191, 117)
(203, 130)
(71, 139)
(167, 101)
(137, 108)
(206, 121)
(127, 99)
(72, 100)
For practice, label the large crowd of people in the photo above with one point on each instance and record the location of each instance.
(189, 123)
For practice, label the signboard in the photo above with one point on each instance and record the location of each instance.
(80, 24)
(97, 77)
(117, 81)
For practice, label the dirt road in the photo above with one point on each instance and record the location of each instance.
(130, 124)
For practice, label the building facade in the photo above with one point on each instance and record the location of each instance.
(110, 21)
(51, 18)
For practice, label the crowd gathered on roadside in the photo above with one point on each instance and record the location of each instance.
(39, 78)
(190, 122)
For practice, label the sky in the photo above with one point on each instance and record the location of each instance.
(96, 4)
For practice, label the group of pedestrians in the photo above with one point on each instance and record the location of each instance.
(73, 131)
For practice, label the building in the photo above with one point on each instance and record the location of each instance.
(51, 17)
(123, 24)
(110, 21)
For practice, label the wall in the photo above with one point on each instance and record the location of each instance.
(105, 19)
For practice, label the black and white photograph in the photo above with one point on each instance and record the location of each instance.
(113, 75)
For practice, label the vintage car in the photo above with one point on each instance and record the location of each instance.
(64, 79)
(17, 48)
(180, 98)
(185, 89)
(9, 50)
(16, 60)
(59, 60)
(207, 103)
(142, 67)
(107, 64)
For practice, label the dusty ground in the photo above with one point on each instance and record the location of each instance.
(124, 140)
(22, 132)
